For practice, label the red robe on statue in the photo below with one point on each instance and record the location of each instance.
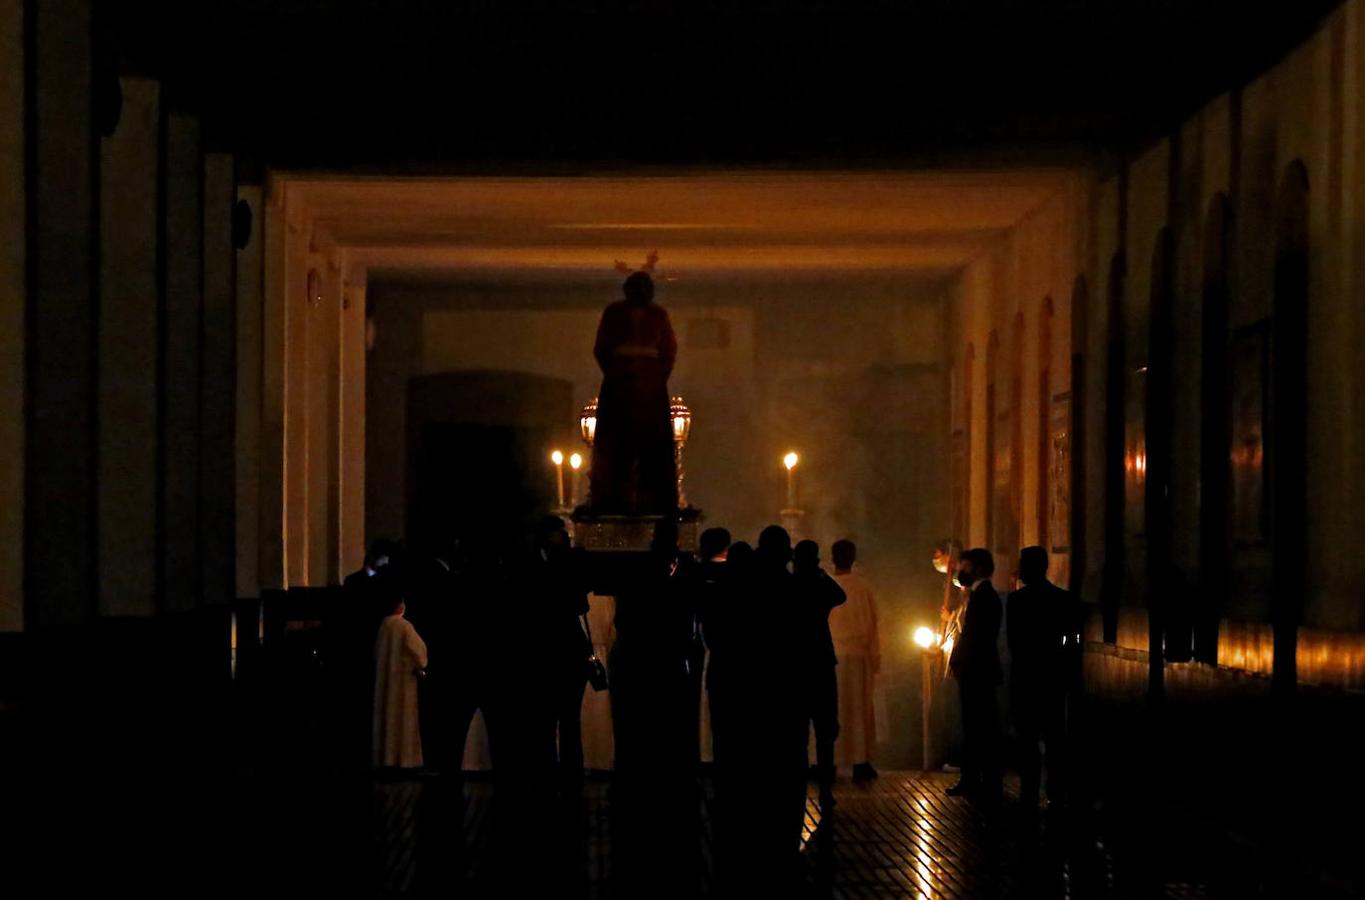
(632, 461)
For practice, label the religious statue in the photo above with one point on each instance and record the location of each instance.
(633, 469)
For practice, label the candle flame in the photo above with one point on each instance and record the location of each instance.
(790, 460)
(557, 458)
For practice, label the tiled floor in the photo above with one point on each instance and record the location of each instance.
(328, 834)
(897, 837)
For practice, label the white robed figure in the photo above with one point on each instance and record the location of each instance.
(399, 655)
(857, 645)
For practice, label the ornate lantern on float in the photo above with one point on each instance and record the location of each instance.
(681, 416)
(587, 422)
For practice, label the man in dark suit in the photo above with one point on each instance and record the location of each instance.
(1042, 628)
(975, 664)
(816, 594)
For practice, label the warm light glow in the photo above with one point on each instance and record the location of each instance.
(576, 461)
(557, 458)
(682, 419)
(925, 637)
(790, 460)
(587, 422)
(948, 646)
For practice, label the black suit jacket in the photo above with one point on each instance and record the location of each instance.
(975, 657)
(1041, 627)
(816, 595)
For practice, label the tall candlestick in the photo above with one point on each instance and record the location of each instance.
(575, 463)
(558, 459)
(790, 461)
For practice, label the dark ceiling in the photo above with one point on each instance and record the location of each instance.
(429, 85)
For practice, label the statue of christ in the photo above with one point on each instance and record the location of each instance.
(632, 460)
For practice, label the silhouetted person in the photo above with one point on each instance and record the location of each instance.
(556, 600)
(816, 594)
(725, 601)
(704, 585)
(649, 663)
(400, 658)
(366, 604)
(761, 810)
(632, 464)
(857, 644)
(975, 664)
(431, 586)
(350, 628)
(1042, 627)
(654, 801)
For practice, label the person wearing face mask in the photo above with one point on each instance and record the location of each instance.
(975, 664)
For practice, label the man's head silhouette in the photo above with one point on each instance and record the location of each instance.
(639, 288)
(713, 542)
(1033, 565)
(844, 553)
(806, 556)
(775, 545)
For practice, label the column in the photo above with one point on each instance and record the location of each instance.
(352, 445)
(247, 419)
(323, 422)
(218, 398)
(12, 327)
(296, 303)
(182, 325)
(130, 161)
(60, 465)
(271, 530)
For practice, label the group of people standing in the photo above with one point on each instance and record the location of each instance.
(439, 634)
(737, 628)
(1042, 628)
(768, 634)
(775, 647)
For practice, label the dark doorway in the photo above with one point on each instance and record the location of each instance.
(1287, 436)
(472, 481)
(1216, 441)
(478, 447)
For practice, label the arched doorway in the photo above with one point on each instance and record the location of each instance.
(997, 457)
(1168, 637)
(1215, 441)
(1076, 501)
(962, 451)
(1287, 434)
(1115, 415)
(1042, 510)
(1007, 547)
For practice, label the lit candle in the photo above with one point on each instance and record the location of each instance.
(558, 459)
(790, 461)
(575, 463)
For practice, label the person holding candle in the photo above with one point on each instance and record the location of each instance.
(975, 663)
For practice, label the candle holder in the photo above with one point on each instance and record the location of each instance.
(792, 514)
(557, 458)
